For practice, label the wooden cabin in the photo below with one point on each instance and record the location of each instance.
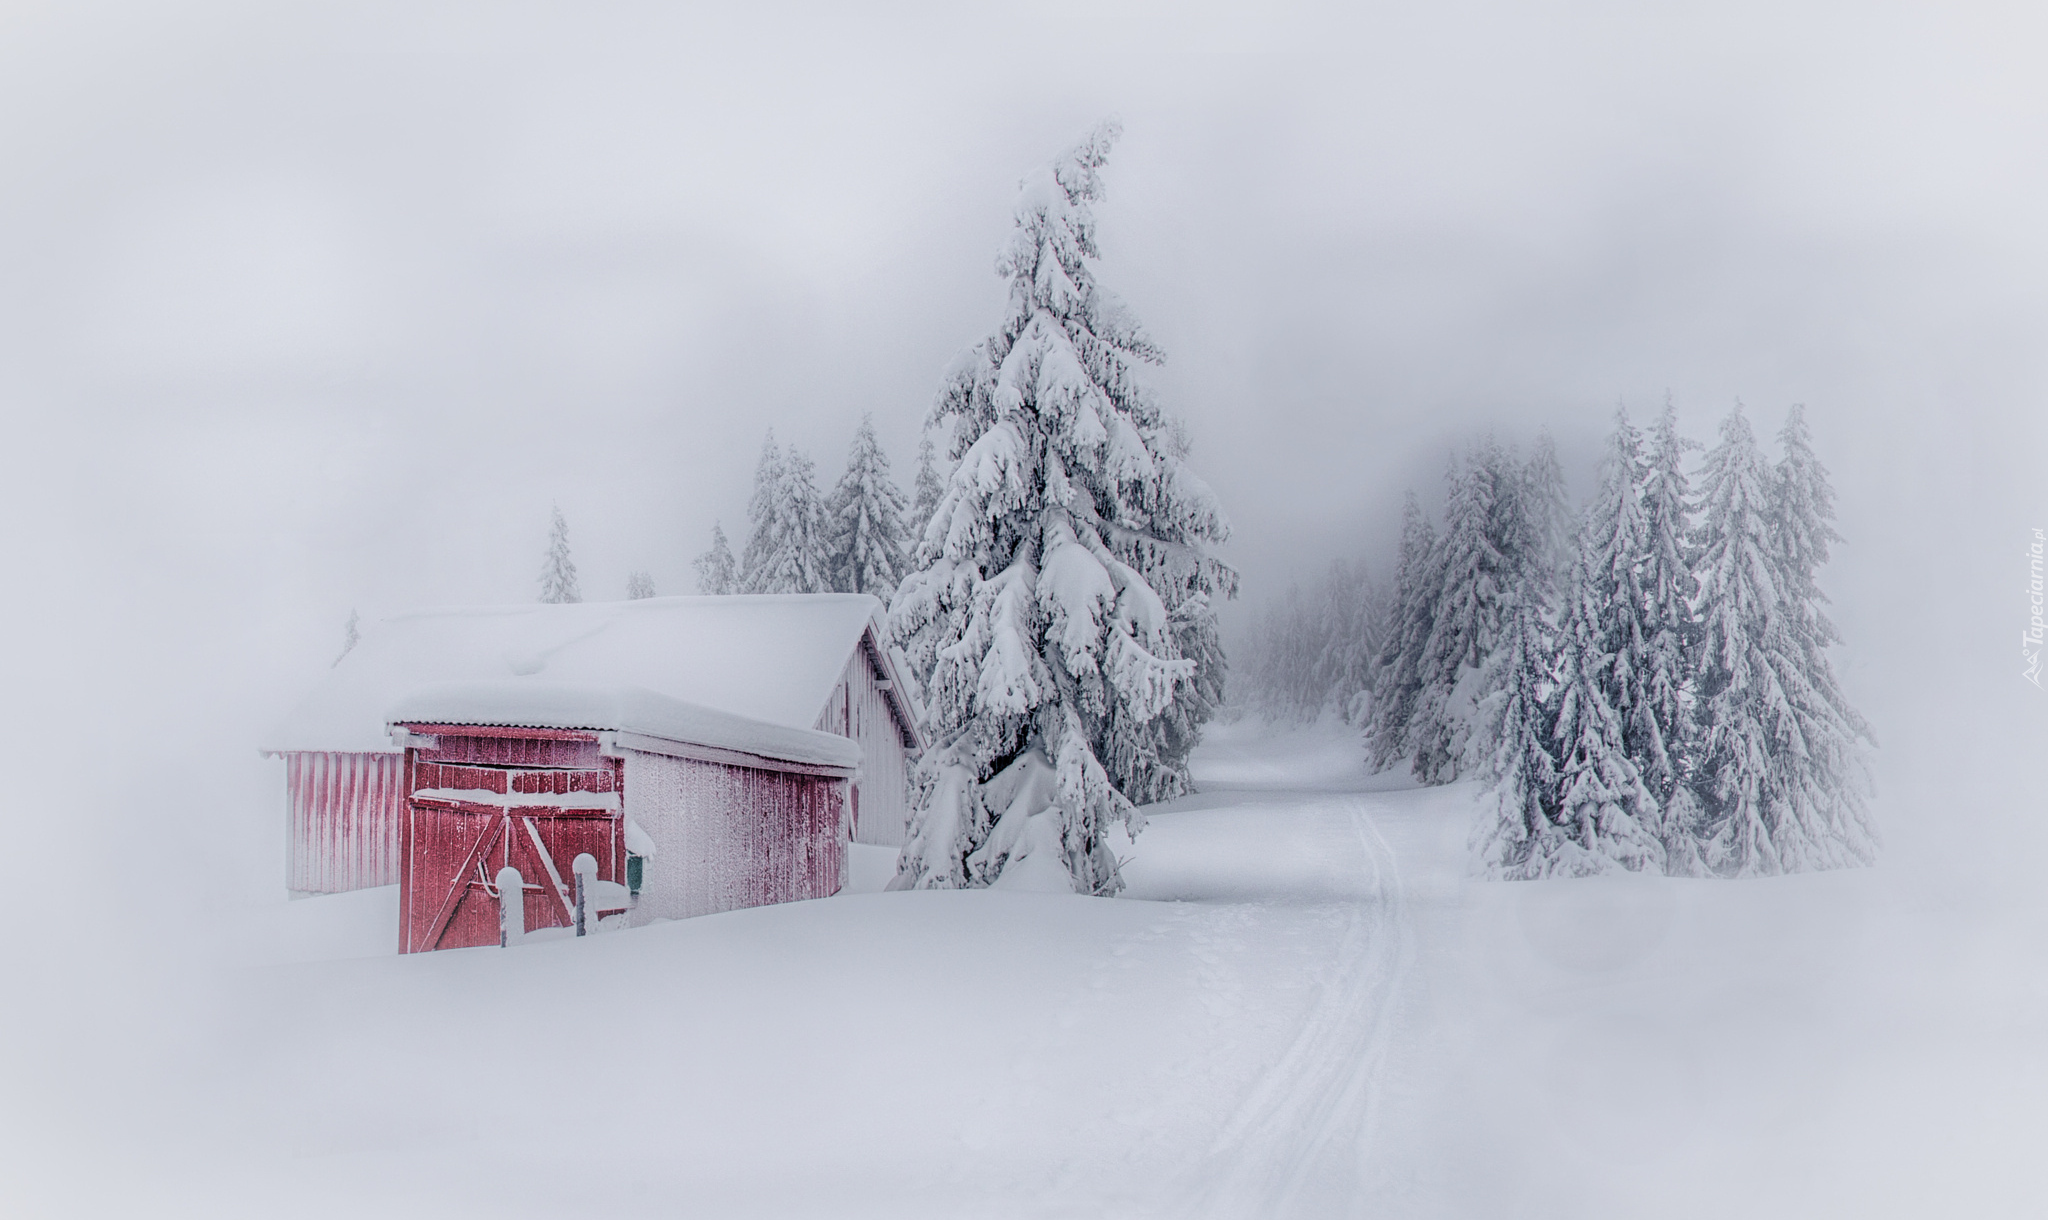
(685, 810)
(800, 661)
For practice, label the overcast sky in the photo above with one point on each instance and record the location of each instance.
(316, 311)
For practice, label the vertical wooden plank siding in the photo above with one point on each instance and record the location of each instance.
(859, 709)
(343, 810)
(728, 837)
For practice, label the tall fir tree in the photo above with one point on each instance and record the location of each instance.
(558, 571)
(865, 520)
(1061, 578)
(1603, 802)
(717, 572)
(1661, 731)
(1776, 748)
(1518, 835)
(926, 492)
(1817, 778)
(1605, 814)
(1532, 520)
(764, 519)
(786, 549)
(1398, 666)
(1481, 527)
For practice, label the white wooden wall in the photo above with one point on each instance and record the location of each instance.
(731, 837)
(858, 709)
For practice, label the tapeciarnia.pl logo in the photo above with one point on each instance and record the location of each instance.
(2030, 641)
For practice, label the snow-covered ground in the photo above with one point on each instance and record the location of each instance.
(1298, 1008)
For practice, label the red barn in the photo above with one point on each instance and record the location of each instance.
(696, 810)
(801, 662)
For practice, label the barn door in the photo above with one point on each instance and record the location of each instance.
(466, 823)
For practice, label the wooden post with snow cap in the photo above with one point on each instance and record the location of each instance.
(585, 868)
(511, 906)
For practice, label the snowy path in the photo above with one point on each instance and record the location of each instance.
(1300, 1008)
(1297, 1144)
(1274, 841)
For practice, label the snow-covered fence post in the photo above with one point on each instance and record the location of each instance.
(585, 868)
(511, 906)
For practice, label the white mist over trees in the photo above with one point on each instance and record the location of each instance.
(1310, 653)
(1663, 704)
(558, 571)
(639, 585)
(1060, 617)
(1396, 681)
(717, 571)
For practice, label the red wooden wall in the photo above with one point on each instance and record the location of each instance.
(453, 846)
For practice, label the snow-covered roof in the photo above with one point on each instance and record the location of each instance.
(768, 658)
(538, 703)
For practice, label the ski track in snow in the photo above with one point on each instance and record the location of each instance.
(1299, 1141)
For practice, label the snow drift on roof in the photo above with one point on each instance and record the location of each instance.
(536, 703)
(773, 658)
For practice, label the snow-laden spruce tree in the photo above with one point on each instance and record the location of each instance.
(639, 585)
(1740, 700)
(1061, 577)
(1517, 836)
(1606, 816)
(763, 512)
(1476, 567)
(1606, 808)
(1778, 775)
(864, 518)
(717, 572)
(1661, 734)
(1398, 666)
(786, 548)
(558, 571)
(1817, 774)
(926, 491)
